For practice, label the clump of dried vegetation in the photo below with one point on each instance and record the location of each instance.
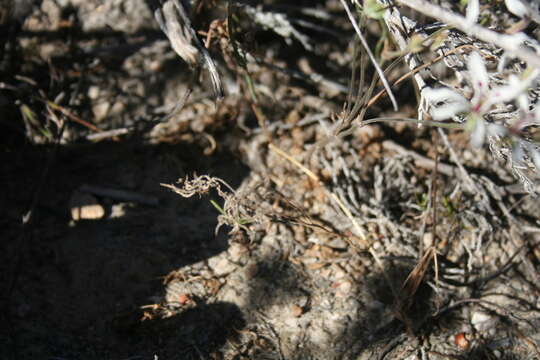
(394, 166)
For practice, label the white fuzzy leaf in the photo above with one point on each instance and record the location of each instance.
(479, 133)
(517, 7)
(445, 103)
(472, 12)
(479, 75)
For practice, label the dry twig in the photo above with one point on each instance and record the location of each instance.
(370, 54)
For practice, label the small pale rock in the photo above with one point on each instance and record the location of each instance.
(296, 310)
(327, 273)
(427, 240)
(237, 251)
(117, 108)
(339, 273)
(183, 299)
(302, 301)
(291, 323)
(221, 266)
(101, 110)
(481, 321)
(85, 207)
(343, 288)
(118, 211)
(47, 51)
(93, 92)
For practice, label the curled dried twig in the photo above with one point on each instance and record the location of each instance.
(236, 212)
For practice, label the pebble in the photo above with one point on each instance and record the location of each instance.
(461, 341)
(427, 240)
(101, 110)
(93, 92)
(481, 321)
(296, 310)
(343, 288)
(220, 265)
(85, 207)
(237, 252)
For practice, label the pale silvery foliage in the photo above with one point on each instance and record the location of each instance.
(473, 11)
(523, 9)
(446, 103)
(475, 110)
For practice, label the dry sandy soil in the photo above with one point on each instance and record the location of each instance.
(370, 245)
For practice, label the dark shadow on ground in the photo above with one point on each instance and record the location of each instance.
(391, 318)
(193, 334)
(67, 282)
(278, 283)
(381, 331)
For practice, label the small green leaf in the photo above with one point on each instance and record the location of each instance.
(373, 9)
(47, 133)
(219, 208)
(29, 115)
(470, 123)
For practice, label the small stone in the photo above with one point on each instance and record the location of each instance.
(93, 92)
(296, 310)
(117, 108)
(481, 321)
(237, 252)
(183, 299)
(118, 211)
(339, 273)
(427, 240)
(85, 207)
(461, 341)
(343, 288)
(234, 296)
(53, 12)
(101, 110)
(221, 266)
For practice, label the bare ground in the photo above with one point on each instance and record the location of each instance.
(297, 277)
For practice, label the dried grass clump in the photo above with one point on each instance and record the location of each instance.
(240, 208)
